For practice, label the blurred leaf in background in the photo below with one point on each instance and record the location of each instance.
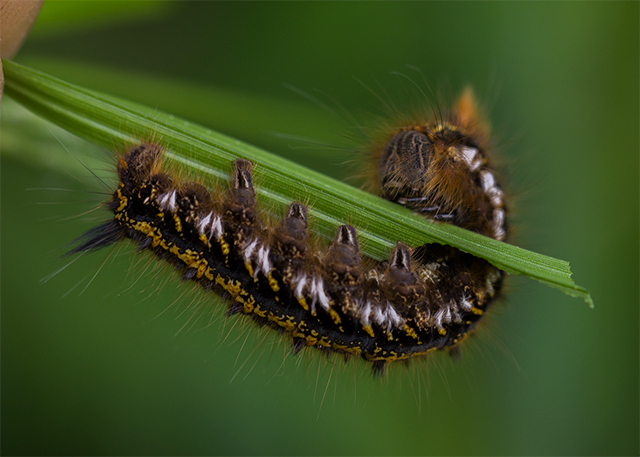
(109, 368)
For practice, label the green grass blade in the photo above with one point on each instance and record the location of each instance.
(116, 124)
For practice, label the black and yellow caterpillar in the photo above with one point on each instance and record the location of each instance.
(332, 299)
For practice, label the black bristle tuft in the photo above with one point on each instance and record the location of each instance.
(189, 274)
(378, 367)
(298, 344)
(235, 308)
(144, 244)
(98, 237)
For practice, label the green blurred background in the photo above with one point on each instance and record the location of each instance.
(138, 366)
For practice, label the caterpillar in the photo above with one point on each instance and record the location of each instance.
(333, 299)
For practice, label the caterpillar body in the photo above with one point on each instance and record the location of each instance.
(332, 299)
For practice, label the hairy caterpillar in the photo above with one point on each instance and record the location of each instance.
(333, 299)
